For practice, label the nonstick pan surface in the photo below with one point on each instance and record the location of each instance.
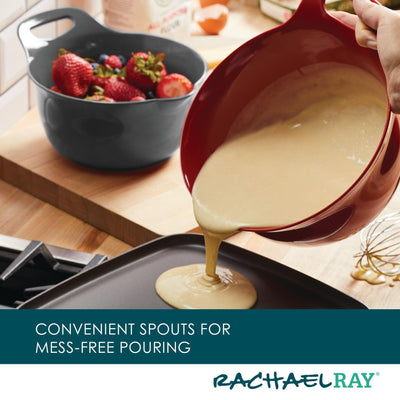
(127, 281)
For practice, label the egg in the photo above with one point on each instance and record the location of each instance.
(206, 3)
(212, 19)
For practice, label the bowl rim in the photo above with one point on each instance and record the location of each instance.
(88, 101)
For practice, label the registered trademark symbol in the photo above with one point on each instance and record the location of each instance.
(377, 374)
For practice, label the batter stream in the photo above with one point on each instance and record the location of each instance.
(279, 175)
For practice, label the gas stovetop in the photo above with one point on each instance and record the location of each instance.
(28, 268)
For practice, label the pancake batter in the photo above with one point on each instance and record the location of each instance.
(278, 175)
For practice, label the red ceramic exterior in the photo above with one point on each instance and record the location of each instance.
(310, 36)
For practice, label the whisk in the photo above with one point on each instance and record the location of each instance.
(380, 246)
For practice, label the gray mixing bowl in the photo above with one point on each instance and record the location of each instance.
(109, 136)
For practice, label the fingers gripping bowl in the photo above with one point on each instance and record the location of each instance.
(109, 136)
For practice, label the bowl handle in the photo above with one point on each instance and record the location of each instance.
(81, 20)
(314, 8)
(310, 9)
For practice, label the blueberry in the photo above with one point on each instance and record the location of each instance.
(122, 59)
(150, 95)
(102, 58)
(116, 70)
(94, 66)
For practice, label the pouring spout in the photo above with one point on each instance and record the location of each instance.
(310, 9)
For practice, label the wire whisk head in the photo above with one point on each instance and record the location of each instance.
(380, 246)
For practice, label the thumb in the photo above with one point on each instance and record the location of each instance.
(365, 36)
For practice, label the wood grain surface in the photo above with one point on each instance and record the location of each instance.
(331, 264)
(28, 161)
(135, 207)
(22, 215)
(132, 206)
(27, 217)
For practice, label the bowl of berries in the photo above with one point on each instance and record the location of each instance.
(110, 100)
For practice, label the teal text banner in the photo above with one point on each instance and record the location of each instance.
(198, 337)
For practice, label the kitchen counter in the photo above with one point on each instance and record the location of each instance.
(25, 216)
(244, 22)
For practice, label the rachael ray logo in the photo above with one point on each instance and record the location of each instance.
(276, 381)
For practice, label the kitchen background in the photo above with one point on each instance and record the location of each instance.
(17, 93)
(28, 163)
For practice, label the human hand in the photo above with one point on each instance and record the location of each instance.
(378, 28)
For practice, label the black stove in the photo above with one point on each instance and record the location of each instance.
(27, 268)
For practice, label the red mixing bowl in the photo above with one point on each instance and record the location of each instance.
(311, 36)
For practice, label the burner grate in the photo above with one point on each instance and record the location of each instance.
(29, 268)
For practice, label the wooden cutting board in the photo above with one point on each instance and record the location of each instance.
(132, 206)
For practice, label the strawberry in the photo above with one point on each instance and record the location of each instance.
(173, 85)
(72, 74)
(145, 70)
(113, 61)
(119, 90)
(100, 97)
(99, 81)
(137, 98)
(55, 89)
(102, 75)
